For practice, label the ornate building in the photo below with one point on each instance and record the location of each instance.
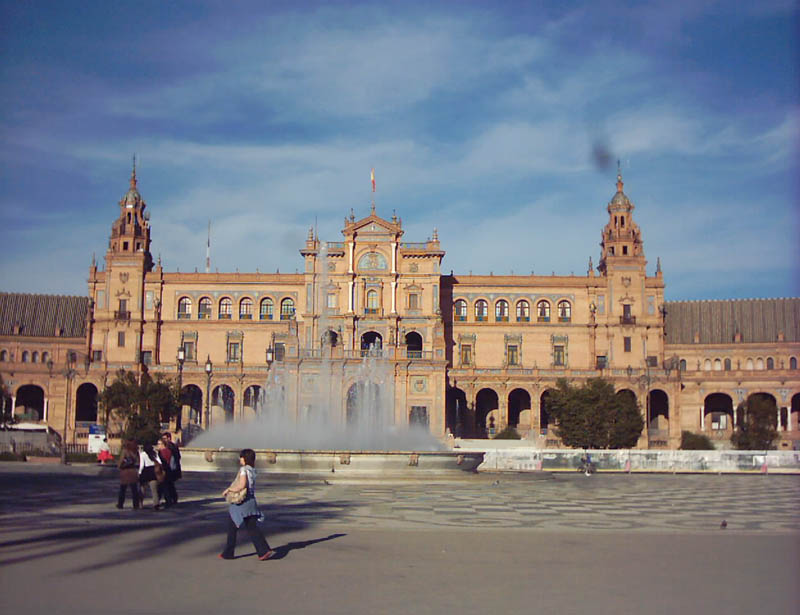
(467, 355)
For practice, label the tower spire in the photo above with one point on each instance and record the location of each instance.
(133, 173)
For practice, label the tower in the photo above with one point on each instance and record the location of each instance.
(621, 241)
(118, 292)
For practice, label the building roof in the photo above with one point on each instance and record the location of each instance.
(718, 322)
(43, 315)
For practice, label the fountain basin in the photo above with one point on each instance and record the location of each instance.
(405, 464)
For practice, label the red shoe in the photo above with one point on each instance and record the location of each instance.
(221, 556)
(266, 555)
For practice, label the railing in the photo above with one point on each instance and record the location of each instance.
(203, 315)
(523, 319)
(265, 317)
(184, 315)
(414, 245)
(627, 320)
(118, 315)
(245, 317)
(543, 319)
(481, 319)
(564, 319)
(501, 318)
(460, 318)
(335, 245)
(224, 316)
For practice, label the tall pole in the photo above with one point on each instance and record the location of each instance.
(181, 356)
(207, 423)
(68, 374)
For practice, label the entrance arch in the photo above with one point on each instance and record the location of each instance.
(29, 403)
(794, 413)
(457, 417)
(486, 414)
(330, 338)
(252, 401)
(371, 343)
(86, 403)
(191, 404)
(413, 345)
(222, 404)
(519, 409)
(659, 411)
(718, 412)
(545, 419)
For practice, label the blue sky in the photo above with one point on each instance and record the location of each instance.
(481, 119)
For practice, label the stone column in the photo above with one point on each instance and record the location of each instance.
(702, 419)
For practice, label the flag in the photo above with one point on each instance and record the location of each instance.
(372, 178)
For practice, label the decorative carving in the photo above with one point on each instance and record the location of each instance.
(272, 458)
(413, 267)
(413, 459)
(344, 459)
(209, 456)
(123, 277)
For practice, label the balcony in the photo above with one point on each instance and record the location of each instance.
(265, 316)
(627, 320)
(543, 319)
(370, 310)
(501, 318)
(523, 319)
(564, 319)
(120, 315)
(184, 315)
(224, 317)
(461, 318)
(245, 317)
(480, 319)
(203, 315)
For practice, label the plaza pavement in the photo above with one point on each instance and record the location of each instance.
(485, 543)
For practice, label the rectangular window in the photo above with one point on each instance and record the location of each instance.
(601, 304)
(413, 301)
(188, 351)
(123, 305)
(101, 299)
(147, 357)
(331, 301)
(466, 354)
(652, 361)
(419, 416)
(601, 361)
(513, 355)
(121, 339)
(148, 299)
(97, 355)
(626, 342)
(280, 351)
(233, 351)
(558, 355)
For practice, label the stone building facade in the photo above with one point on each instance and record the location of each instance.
(468, 355)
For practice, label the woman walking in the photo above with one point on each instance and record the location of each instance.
(148, 474)
(246, 512)
(128, 473)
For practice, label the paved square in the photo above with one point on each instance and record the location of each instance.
(489, 543)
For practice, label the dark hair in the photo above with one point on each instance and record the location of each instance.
(148, 448)
(249, 456)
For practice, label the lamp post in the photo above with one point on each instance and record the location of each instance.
(181, 358)
(69, 372)
(209, 367)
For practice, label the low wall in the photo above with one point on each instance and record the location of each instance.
(514, 456)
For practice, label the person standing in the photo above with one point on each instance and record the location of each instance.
(104, 454)
(148, 473)
(169, 455)
(245, 513)
(128, 473)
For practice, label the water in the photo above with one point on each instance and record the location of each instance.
(327, 404)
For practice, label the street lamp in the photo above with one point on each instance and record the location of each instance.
(181, 358)
(69, 372)
(270, 355)
(209, 367)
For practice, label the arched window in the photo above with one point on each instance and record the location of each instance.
(682, 365)
(523, 311)
(770, 363)
(727, 365)
(564, 311)
(287, 309)
(501, 311)
(792, 363)
(246, 309)
(45, 357)
(759, 363)
(204, 309)
(372, 302)
(25, 356)
(35, 357)
(481, 310)
(543, 311)
(184, 308)
(460, 310)
(266, 309)
(707, 365)
(3, 355)
(749, 364)
(225, 308)
(717, 365)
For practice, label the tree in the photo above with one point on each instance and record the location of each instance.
(594, 416)
(5, 403)
(696, 442)
(142, 405)
(757, 423)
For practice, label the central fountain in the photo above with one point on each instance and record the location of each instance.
(332, 430)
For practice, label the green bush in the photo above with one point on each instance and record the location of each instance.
(695, 442)
(82, 457)
(9, 456)
(509, 433)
